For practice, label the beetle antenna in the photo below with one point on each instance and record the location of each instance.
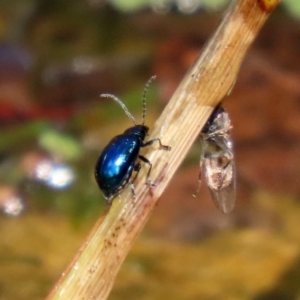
(121, 104)
(145, 96)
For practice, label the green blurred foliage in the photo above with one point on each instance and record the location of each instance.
(292, 6)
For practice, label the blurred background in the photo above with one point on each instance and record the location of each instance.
(56, 57)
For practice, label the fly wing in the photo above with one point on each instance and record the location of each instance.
(219, 170)
(224, 197)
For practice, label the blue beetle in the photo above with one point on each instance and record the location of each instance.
(119, 158)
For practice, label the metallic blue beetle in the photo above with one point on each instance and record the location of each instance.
(118, 160)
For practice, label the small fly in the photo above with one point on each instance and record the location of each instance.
(217, 160)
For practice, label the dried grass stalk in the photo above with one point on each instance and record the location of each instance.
(92, 273)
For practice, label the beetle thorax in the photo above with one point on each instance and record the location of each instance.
(139, 130)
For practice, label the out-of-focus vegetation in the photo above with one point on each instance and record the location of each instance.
(190, 6)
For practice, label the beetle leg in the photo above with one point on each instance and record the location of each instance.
(161, 146)
(137, 169)
(145, 160)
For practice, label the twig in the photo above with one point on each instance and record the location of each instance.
(92, 273)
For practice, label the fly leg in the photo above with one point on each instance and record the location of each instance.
(199, 178)
(221, 132)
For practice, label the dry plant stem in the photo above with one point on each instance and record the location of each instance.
(92, 273)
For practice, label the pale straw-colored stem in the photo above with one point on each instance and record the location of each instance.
(92, 273)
